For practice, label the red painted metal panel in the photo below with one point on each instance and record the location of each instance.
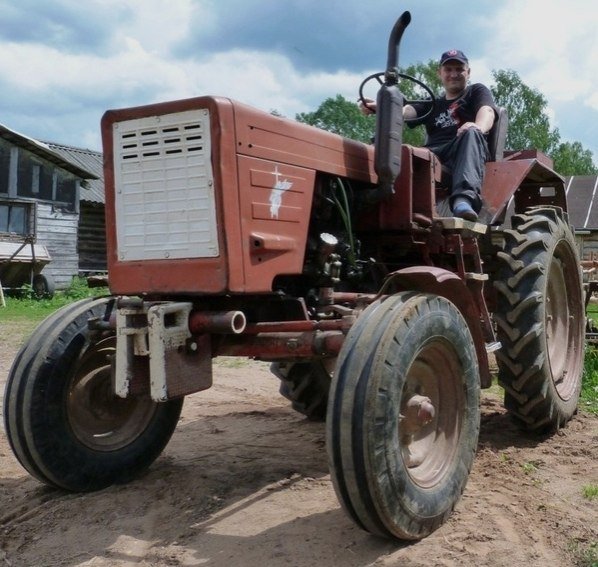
(262, 135)
(275, 205)
(209, 275)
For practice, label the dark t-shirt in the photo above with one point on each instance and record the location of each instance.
(443, 123)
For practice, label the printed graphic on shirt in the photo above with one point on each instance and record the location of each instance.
(448, 118)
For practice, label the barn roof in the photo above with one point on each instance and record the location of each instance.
(582, 200)
(43, 150)
(90, 160)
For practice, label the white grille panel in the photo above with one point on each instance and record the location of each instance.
(164, 198)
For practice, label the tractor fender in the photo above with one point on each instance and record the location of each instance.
(437, 281)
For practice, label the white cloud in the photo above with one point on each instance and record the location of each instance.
(158, 25)
(138, 76)
(554, 46)
(134, 60)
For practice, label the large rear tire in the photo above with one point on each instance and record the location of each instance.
(63, 422)
(540, 320)
(306, 385)
(403, 416)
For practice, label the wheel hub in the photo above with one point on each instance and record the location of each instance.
(420, 412)
(99, 419)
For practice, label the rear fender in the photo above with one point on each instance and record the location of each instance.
(530, 181)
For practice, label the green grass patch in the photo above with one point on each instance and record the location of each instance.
(27, 309)
(590, 491)
(589, 386)
(529, 467)
(585, 553)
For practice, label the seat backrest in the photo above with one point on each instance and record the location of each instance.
(498, 135)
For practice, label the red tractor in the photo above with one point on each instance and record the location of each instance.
(235, 232)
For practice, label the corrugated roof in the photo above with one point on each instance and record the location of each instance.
(89, 160)
(582, 194)
(44, 151)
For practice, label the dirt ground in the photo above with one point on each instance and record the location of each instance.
(244, 481)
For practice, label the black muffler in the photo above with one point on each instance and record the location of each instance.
(389, 115)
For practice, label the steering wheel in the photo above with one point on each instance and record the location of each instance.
(431, 102)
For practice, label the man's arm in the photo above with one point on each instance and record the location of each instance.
(408, 110)
(484, 120)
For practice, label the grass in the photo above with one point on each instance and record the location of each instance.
(585, 554)
(590, 491)
(529, 467)
(27, 311)
(589, 385)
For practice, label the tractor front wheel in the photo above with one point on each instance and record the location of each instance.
(64, 424)
(403, 416)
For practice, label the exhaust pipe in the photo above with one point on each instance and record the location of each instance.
(389, 115)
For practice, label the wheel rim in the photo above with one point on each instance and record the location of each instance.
(561, 329)
(432, 402)
(98, 418)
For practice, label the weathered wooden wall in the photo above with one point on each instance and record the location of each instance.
(57, 230)
(92, 238)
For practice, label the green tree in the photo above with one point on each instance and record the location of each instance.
(571, 159)
(340, 116)
(427, 73)
(529, 125)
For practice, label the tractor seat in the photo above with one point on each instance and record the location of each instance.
(498, 135)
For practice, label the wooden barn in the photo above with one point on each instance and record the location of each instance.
(91, 241)
(582, 197)
(40, 199)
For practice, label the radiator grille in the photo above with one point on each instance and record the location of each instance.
(164, 187)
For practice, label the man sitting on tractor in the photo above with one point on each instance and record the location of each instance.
(457, 131)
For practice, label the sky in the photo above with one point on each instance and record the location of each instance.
(65, 62)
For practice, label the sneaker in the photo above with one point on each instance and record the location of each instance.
(463, 210)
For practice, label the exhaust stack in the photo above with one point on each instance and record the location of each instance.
(389, 115)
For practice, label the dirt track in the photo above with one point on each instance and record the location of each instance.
(244, 481)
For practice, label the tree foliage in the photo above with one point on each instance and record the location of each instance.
(341, 116)
(529, 123)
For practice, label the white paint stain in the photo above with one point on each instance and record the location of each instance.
(280, 186)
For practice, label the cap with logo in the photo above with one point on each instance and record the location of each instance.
(453, 54)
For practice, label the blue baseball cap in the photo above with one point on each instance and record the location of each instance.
(453, 54)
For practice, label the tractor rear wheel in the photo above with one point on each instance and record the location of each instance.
(306, 385)
(540, 320)
(403, 416)
(64, 424)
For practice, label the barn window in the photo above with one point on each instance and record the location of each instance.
(66, 189)
(14, 218)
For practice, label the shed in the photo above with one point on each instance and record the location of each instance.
(91, 241)
(582, 199)
(40, 200)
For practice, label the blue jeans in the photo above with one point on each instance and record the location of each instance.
(465, 156)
